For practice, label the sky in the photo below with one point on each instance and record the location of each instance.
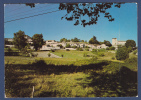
(124, 27)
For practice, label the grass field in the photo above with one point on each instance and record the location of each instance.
(71, 76)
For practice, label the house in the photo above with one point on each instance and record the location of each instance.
(46, 47)
(115, 43)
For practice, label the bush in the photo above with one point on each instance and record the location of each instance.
(131, 60)
(129, 49)
(122, 53)
(101, 54)
(9, 49)
(74, 46)
(94, 58)
(87, 49)
(68, 46)
(62, 55)
(113, 58)
(94, 50)
(49, 54)
(107, 48)
(111, 48)
(79, 49)
(135, 52)
(67, 50)
(52, 50)
(85, 54)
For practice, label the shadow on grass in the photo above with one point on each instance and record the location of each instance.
(123, 83)
(119, 84)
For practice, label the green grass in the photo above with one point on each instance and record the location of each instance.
(72, 54)
(70, 76)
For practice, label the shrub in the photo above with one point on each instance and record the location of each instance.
(87, 49)
(84, 54)
(9, 49)
(101, 54)
(52, 50)
(107, 48)
(94, 58)
(68, 46)
(62, 55)
(122, 53)
(79, 49)
(49, 54)
(74, 46)
(111, 48)
(129, 49)
(67, 50)
(94, 50)
(135, 52)
(131, 60)
(113, 58)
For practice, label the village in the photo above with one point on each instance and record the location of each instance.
(55, 45)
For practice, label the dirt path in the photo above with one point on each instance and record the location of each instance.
(44, 54)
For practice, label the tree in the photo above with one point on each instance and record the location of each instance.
(122, 53)
(19, 40)
(76, 40)
(91, 10)
(130, 43)
(63, 40)
(93, 40)
(37, 41)
(68, 46)
(107, 43)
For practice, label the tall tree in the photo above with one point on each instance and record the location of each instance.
(19, 40)
(37, 41)
(130, 43)
(93, 40)
(63, 40)
(107, 43)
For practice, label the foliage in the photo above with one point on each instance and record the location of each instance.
(9, 49)
(94, 50)
(130, 43)
(91, 10)
(135, 52)
(85, 54)
(52, 50)
(74, 46)
(129, 49)
(68, 46)
(107, 43)
(107, 48)
(75, 40)
(82, 78)
(62, 55)
(67, 50)
(87, 49)
(93, 40)
(49, 54)
(113, 58)
(111, 48)
(122, 53)
(63, 40)
(37, 41)
(101, 54)
(59, 45)
(19, 40)
(79, 49)
(6, 42)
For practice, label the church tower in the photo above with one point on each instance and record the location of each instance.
(114, 42)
